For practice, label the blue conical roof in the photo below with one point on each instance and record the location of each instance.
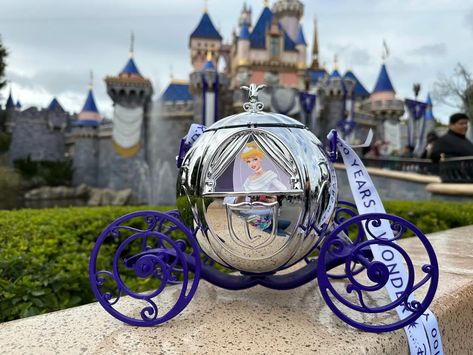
(10, 103)
(18, 105)
(429, 100)
(244, 32)
(90, 105)
(209, 65)
(258, 36)
(359, 89)
(130, 68)
(55, 106)
(89, 116)
(335, 74)
(206, 29)
(383, 83)
(177, 91)
(300, 37)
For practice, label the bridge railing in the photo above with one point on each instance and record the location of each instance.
(457, 170)
(450, 170)
(412, 165)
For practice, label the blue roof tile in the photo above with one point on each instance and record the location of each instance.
(289, 44)
(429, 100)
(316, 75)
(10, 103)
(18, 105)
(177, 92)
(335, 74)
(209, 65)
(300, 37)
(383, 83)
(130, 68)
(206, 29)
(90, 105)
(55, 106)
(244, 32)
(359, 89)
(258, 35)
(92, 123)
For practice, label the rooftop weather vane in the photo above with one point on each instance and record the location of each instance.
(132, 44)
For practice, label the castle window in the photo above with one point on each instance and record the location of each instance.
(275, 45)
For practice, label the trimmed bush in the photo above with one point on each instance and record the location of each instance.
(44, 254)
(44, 257)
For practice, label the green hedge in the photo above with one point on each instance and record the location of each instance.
(44, 254)
(433, 216)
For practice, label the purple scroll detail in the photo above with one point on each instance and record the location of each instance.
(357, 300)
(149, 258)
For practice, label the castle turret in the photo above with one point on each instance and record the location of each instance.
(207, 86)
(243, 46)
(10, 109)
(383, 101)
(84, 137)
(288, 13)
(131, 94)
(89, 116)
(203, 39)
(245, 16)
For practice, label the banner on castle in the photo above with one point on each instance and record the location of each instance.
(126, 131)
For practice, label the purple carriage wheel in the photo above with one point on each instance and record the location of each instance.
(356, 298)
(148, 257)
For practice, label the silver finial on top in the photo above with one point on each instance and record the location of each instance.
(254, 106)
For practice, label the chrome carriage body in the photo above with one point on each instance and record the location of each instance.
(245, 222)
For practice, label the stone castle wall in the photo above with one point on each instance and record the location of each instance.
(34, 136)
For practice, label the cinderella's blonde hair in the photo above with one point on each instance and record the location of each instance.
(251, 150)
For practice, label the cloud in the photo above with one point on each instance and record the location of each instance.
(437, 49)
(469, 19)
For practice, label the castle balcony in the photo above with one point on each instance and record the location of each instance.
(383, 108)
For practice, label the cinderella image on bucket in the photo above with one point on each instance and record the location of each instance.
(257, 194)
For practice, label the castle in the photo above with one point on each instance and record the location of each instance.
(137, 148)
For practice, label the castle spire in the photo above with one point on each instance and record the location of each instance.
(91, 80)
(132, 45)
(315, 48)
(89, 116)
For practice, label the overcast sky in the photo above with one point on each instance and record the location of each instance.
(54, 44)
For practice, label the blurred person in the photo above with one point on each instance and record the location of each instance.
(454, 143)
(431, 138)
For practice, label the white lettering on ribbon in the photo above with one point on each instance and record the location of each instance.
(425, 339)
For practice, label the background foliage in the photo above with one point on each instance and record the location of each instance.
(44, 254)
(50, 173)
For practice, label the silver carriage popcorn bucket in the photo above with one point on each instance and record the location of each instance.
(261, 187)
(257, 193)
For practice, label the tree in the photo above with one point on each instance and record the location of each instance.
(457, 90)
(3, 64)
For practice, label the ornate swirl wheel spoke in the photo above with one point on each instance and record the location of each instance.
(371, 263)
(147, 257)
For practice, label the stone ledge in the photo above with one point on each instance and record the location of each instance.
(450, 189)
(401, 175)
(255, 321)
